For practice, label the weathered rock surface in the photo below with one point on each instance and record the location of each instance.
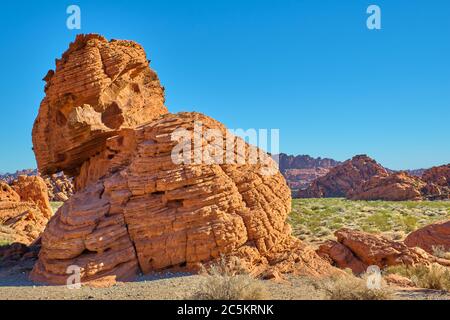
(60, 187)
(7, 193)
(433, 235)
(299, 179)
(33, 189)
(438, 183)
(10, 177)
(148, 213)
(304, 162)
(136, 206)
(344, 178)
(24, 209)
(11, 254)
(357, 250)
(98, 87)
(398, 186)
(438, 175)
(362, 178)
(299, 171)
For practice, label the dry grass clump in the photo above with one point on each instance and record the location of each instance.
(227, 280)
(6, 236)
(350, 287)
(441, 252)
(435, 276)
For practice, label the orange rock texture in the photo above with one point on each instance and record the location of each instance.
(139, 208)
(362, 178)
(358, 250)
(98, 87)
(438, 182)
(60, 187)
(24, 208)
(152, 214)
(398, 186)
(433, 235)
(344, 178)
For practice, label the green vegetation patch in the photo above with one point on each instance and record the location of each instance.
(315, 220)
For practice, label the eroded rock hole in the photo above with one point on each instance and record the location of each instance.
(61, 120)
(112, 117)
(174, 203)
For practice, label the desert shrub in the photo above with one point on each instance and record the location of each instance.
(349, 287)
(228, 280)
(441, 252)
(434, 276)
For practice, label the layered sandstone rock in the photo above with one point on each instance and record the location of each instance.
(358, 250)
(98, 88)
(24, 209)
(60, 187)
(438, 183)
(149, 213)
(398, 186)
(299, 179)
(344, 178)
(33, 189)
(438, 175)
(361, 178)
(299, 171)
(7, 193)
(153, 194)
(432, 236)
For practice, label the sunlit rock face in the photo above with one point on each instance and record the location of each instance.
(98, 87)
(138, 207)
(24, 209)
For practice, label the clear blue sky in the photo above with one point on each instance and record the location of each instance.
(310, 68)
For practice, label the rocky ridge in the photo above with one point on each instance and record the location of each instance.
(59, 186)
(299, 171)
(24, 209)
(358, 250)
(362, 178)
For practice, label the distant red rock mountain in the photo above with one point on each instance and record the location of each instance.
(299, 171)
(10, 177)
(362, 178)
(344, 178)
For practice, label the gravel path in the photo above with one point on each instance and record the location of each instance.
(169, 286)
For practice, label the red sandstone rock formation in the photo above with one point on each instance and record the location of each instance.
(33, 189)
(438, 175)
(344, 178)
(7, 193)
(398, 186)
(60, 187)
(301, 170)
(150, 213)
(98, 87)
(302, 178)
(433, 235)
(24, 208)
(361, 178)
(137, 208)
(438, 183)
(357, 250)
